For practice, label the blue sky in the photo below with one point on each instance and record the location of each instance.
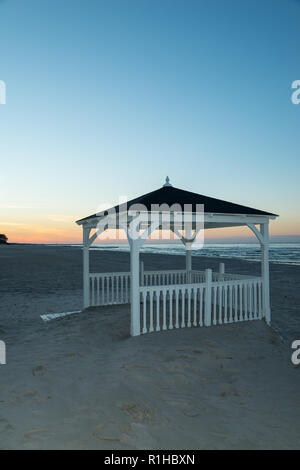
(106, 98)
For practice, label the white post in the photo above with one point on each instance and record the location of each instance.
(208, 281)
(222, 268)
(86, 268)
(135, 328)
(142, 272)
(264, 229)
(188, 261)
(135, 244)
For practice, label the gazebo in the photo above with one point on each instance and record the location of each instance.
(161, 300)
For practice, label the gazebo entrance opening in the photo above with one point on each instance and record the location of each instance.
(168, 299)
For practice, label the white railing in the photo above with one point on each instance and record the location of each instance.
(163, 278)
(197, 276)
(229, 277)
(114, 288)
(168, 307)
(217, 302)
(234, 301)
(177, 298)
(109, 288)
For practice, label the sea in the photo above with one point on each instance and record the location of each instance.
(283, 253)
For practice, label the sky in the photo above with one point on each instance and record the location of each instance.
(104, 98)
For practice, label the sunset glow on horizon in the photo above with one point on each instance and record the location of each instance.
(66, 231)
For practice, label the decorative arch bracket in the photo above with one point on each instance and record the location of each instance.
(257, 233)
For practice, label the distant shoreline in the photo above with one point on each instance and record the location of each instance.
(280, 253)
(161, 242)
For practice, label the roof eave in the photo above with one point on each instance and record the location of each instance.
(271, 216)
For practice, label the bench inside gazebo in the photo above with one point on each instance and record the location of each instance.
(161, 300)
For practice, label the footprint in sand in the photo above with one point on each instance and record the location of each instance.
(191, 410)
(138, 412)
(255, 358)
(229, 390)
(134, 366)
(108, 431)
(36, 434)
(5, 426)
(192, 413)
(29, 393)
(39, 370)
(70, 354)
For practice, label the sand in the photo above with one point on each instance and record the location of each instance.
(81, 382)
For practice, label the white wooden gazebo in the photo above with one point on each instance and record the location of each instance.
(163, 300)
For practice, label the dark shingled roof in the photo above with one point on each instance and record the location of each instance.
(171, 195)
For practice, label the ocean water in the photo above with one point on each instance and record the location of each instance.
(283, 253)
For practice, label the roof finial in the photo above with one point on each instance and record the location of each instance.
(167, 183)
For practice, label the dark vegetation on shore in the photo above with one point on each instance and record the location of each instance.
(3, 239)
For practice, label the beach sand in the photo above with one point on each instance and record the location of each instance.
(81, 382)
